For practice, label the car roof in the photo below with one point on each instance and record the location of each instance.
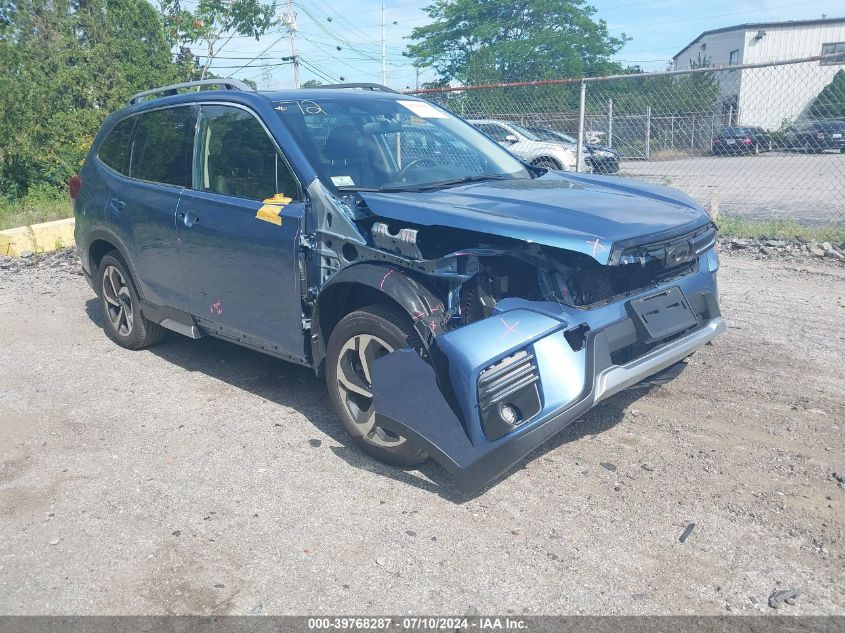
(272, 96)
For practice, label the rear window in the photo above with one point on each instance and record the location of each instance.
(163, 146)
(114, 151)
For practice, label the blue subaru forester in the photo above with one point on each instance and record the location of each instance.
(461, 304)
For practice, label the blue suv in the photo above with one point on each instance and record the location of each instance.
(462, 305)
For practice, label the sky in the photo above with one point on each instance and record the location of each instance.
(658, 29)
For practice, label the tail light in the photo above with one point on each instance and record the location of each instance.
(73, 186)
(717, 141)
(819, 134)
(746, 141)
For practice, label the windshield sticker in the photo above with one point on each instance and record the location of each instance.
(306, 106)
(343, 181)
(423, 110)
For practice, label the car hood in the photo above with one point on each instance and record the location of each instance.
(577, 212)
(604, 148)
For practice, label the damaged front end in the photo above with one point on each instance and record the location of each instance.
(521, 338)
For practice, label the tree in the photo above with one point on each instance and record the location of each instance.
(830, 102)
(67, 64)
(312, 83)
(213, 23)
(483, 41)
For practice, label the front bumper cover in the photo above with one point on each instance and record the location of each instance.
(408, 400)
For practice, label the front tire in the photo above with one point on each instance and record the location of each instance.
(125, 324)
(546, 163)
(355, 343)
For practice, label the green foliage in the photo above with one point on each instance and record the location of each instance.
(830, 103)
(40, 204)
(69, 63)
(495, 41)
(212, 23)
(312, 83)
(780, 229)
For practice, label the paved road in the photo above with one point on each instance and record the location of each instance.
(807, 188)
(196, 477)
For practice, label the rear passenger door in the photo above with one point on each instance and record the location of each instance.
(143, 206)
(238, 227)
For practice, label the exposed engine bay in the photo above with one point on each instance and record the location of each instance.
(490, 268)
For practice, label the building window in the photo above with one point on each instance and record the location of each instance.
(837, 49)
(733, 60)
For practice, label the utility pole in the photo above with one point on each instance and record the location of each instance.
(289, 20)
(383, 50)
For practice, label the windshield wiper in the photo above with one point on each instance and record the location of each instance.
(428, 186)
(461, 181)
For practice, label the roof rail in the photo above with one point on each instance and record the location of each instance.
(166, 91)
(372, 87)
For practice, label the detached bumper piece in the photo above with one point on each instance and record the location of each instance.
(518, 378)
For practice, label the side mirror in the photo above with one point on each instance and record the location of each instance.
(511, 138)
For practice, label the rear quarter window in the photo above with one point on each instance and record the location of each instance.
(114, 150)
(163, 146)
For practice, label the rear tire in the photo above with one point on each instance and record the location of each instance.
(124, 323)
(360, 338)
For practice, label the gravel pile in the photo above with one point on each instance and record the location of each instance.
(785, 248)
(64, 260)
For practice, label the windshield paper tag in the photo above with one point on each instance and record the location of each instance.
(343, 181)
(423, 109)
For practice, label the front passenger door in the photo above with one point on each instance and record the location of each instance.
(237, 229)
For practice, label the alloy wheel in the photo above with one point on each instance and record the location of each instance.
(354, 366)
(118, 301)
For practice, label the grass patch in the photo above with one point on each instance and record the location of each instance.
(40, 205)
(779, 229)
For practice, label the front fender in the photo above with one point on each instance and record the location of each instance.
(424, 307)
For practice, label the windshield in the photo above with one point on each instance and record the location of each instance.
(357, 143)
(545, 134)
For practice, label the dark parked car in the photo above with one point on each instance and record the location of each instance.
(460, 304)
(741, 140)
(601, 158)
(814, 137)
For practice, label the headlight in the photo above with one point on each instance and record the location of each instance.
(603, 153)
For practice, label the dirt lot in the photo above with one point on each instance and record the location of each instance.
(198, 477)
(807, 188)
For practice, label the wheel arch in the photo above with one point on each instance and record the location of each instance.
(367, 284)
(545, 158)
(101, 242)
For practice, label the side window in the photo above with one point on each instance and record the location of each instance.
(496, 132)
(163, 146)
(837, 50)
(114, 151)
(733, 60)
(237, 157)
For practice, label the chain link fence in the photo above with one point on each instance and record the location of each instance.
(759, 140)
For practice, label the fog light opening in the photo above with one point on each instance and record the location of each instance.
(509, 414)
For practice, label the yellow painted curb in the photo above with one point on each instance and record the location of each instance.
(38, 238)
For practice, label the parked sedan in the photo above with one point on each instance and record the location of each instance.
(741, 140)
(814, 137)
(554, 154)
(601, 158)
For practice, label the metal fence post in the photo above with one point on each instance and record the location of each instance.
(579, 163)
(610, 122)
(648, 132)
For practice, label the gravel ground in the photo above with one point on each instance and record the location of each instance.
(197, 477)
(807, 188)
